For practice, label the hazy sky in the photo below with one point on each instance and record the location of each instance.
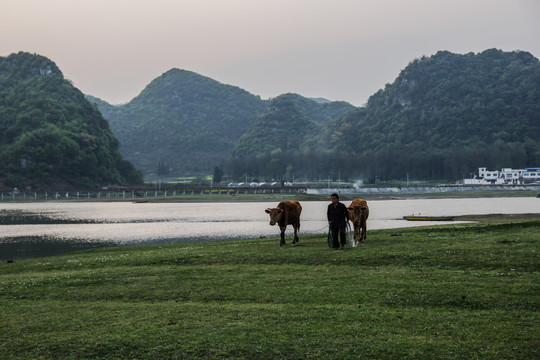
(337, 49)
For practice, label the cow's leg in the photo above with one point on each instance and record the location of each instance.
(362, 227)
(282, 241)
(295, 237)
(364, 232)
(357, 234)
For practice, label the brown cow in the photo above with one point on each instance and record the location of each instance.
(286, 213)
(358, 214)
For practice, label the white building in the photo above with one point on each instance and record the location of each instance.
(504, 176)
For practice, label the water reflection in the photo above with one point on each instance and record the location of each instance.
(37, 246)
(67, 226)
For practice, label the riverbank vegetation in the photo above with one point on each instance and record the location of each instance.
(463, 291)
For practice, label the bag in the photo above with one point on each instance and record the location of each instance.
(350, 235)
(330, 241)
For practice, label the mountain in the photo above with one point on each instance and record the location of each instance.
(50, 135)
(183, 120)
(443, 117)
(283, 127)
(446, 115)
(320, 110)
(279, 138)
(183, 123)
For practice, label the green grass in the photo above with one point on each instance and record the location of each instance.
(467, 291)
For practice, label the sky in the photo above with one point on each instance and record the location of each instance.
(335, 49)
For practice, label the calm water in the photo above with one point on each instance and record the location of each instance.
(118, 223)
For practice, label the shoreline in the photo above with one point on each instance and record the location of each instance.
(249, 195)
(497, 217)
(28, 247)
(272, 197)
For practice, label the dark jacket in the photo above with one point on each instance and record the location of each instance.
(337, 215)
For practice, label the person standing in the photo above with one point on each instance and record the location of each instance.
(338, 216)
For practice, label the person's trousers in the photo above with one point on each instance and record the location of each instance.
(342, 236)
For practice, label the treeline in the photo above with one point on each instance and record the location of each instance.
(407, 162)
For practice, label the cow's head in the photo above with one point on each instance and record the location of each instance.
(357, 211)
(275, 215)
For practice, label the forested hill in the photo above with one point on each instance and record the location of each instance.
(182, 121)
(443, 117)
(50, 135)
(185, 123)
(318, 110)
(283, 127)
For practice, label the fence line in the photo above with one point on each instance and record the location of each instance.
(133, 194)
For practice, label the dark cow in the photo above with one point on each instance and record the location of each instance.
(286, 213)
(358, 214)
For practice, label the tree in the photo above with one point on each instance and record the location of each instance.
(163, 169)
(218, 174)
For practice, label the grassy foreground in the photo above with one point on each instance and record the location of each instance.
(466, 291)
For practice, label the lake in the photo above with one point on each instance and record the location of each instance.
(56, 227)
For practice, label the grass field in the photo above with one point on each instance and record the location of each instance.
(463, 291)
